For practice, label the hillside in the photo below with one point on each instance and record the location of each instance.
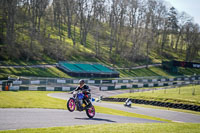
(47, 32)
(53, 72)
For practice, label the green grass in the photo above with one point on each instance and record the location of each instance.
(39, 72)
(143, 72)
(118, 128)
(54, 72)
(21, 62)
(189, 71)
(30, 99)
(39, 99)
(157, 71)
(168, 95)
(128, 114)
(157, 107)
(49, 72)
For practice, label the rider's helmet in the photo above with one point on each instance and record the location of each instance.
(81, 81)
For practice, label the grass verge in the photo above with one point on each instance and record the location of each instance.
(118, 128)
(128, 114)
(185, 95)
(157, 107)
(30, 99)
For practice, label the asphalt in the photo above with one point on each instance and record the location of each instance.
(165, 114)
(11, 119)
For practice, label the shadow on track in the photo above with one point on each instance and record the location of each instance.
(96, 119)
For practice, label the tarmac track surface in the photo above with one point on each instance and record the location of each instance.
(40, 118)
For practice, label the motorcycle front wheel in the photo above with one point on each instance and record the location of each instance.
(71, 105)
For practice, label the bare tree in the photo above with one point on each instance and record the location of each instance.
(85, 13)
(69, 11)
(192, 40)
(183, 19)
(97, 23)
(58, 13)
(122, 29)
(9, 14)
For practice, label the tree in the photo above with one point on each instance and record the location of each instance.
(96, 23)
(183, 19)
(192, 38)
(173, 24)
(9, 14)
(58, 13)
(69, 12)
(85, 13)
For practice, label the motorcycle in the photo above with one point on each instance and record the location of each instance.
(128, 103)
(80, 103)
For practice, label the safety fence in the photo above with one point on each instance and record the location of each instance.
(104, 85)
(101, 88)
(141, 85)
(143, 80)
(40, 88)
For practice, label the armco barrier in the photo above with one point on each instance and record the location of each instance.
(156, 103)
(102, 88)
(39, 88)
(141, 85)
(142, 82)
(44, 81)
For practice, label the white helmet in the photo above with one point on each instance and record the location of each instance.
(81, 81)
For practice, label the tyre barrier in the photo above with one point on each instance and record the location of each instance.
(156, 103)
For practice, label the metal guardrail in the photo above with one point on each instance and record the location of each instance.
(106, 84)
(142, 85)
(45, 81)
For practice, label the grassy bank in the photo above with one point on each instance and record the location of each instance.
(157, 71)
(176, 95)
(24, 63)
(35, 72)
(118, 128)
(54, 72)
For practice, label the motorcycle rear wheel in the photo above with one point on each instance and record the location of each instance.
(90, 112)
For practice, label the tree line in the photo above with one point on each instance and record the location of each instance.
(128, 29)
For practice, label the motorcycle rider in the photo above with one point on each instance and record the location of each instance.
(85, 90)
(128, 102)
